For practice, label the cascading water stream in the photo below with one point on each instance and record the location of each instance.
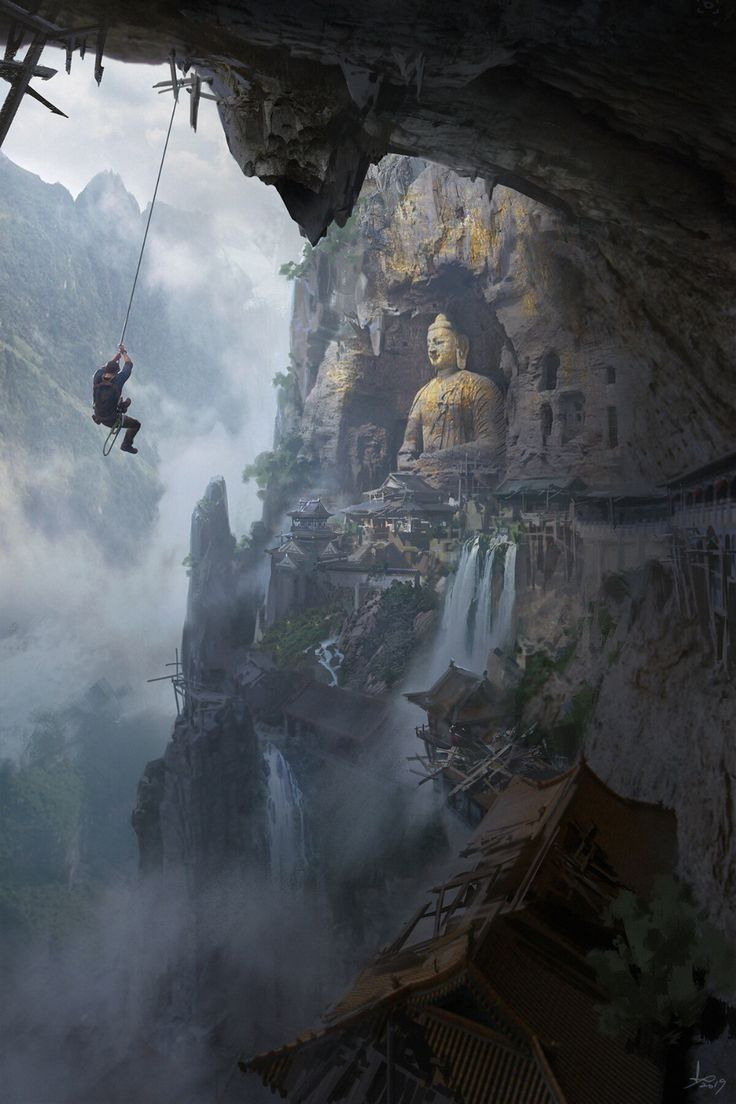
(502, 626)
(471, 627)
(483, 614)
(287, 841)
(457, 633)
(330, 657)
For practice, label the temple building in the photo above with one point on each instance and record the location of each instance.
(487, 994)
(468, 746)
(587, 529)
(295, 584)
(459, 703)
(404, 506)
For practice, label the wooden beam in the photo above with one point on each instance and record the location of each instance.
(9, 69)
(19, 84)
(99, 52)
(46, 103)
(406, 931)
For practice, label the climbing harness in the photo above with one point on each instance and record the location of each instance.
(148, 222)
(113, 434)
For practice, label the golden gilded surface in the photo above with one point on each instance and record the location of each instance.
(455, 408)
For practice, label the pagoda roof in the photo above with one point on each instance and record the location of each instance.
(460, 695)
(398, 508)
(311, 508)
(331, 551)
(287, 562)
(293, 548)
(408, 483)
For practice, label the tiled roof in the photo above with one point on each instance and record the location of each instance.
(413, 969)
(589, 1065)
(460, 695)
(332, 709)
(407, 481)
(485, 1066)
(309, 508)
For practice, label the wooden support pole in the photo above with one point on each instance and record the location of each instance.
(390, 1079)
(19, 84)
(99, 69)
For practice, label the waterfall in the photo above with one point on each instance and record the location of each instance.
(471, 627)
(285, 821)
(330, 657)
(502, 627)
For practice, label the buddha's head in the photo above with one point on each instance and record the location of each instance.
(447, 349)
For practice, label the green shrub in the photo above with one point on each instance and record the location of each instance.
(337, 240)
(291, 638)
(606, 623)
(538, 670)
(280, 473)
(582, 705)
(664, 960)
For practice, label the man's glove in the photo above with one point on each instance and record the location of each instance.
(124, 404)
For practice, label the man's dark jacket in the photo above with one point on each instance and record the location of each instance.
(106, 394)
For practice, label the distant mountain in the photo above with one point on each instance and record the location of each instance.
(66, 270)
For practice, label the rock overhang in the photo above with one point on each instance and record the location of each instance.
(623, 117)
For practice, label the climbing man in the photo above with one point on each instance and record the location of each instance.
(107, 397)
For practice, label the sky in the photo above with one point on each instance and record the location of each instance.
(121, 126)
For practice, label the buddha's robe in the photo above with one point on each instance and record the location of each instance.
(453, 411)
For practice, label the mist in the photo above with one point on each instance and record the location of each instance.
(104, 1003)
(72, 612)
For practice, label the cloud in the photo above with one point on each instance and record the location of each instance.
(78, 615)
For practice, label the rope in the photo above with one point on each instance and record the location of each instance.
(148, 223)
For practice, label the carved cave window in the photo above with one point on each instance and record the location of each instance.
(572, 415)
(610, 374)
(612, 427)
(545, 415)
(550, 364)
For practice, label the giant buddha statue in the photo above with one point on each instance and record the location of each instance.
(454, 409)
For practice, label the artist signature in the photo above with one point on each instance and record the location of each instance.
(710, 1082)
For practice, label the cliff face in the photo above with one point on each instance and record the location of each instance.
(542, 304)
(201, 809)
(655, 708)
(662, 730)
(588, 383)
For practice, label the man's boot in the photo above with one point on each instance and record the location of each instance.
(131, 426)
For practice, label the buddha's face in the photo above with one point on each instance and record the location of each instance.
(442, 349)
